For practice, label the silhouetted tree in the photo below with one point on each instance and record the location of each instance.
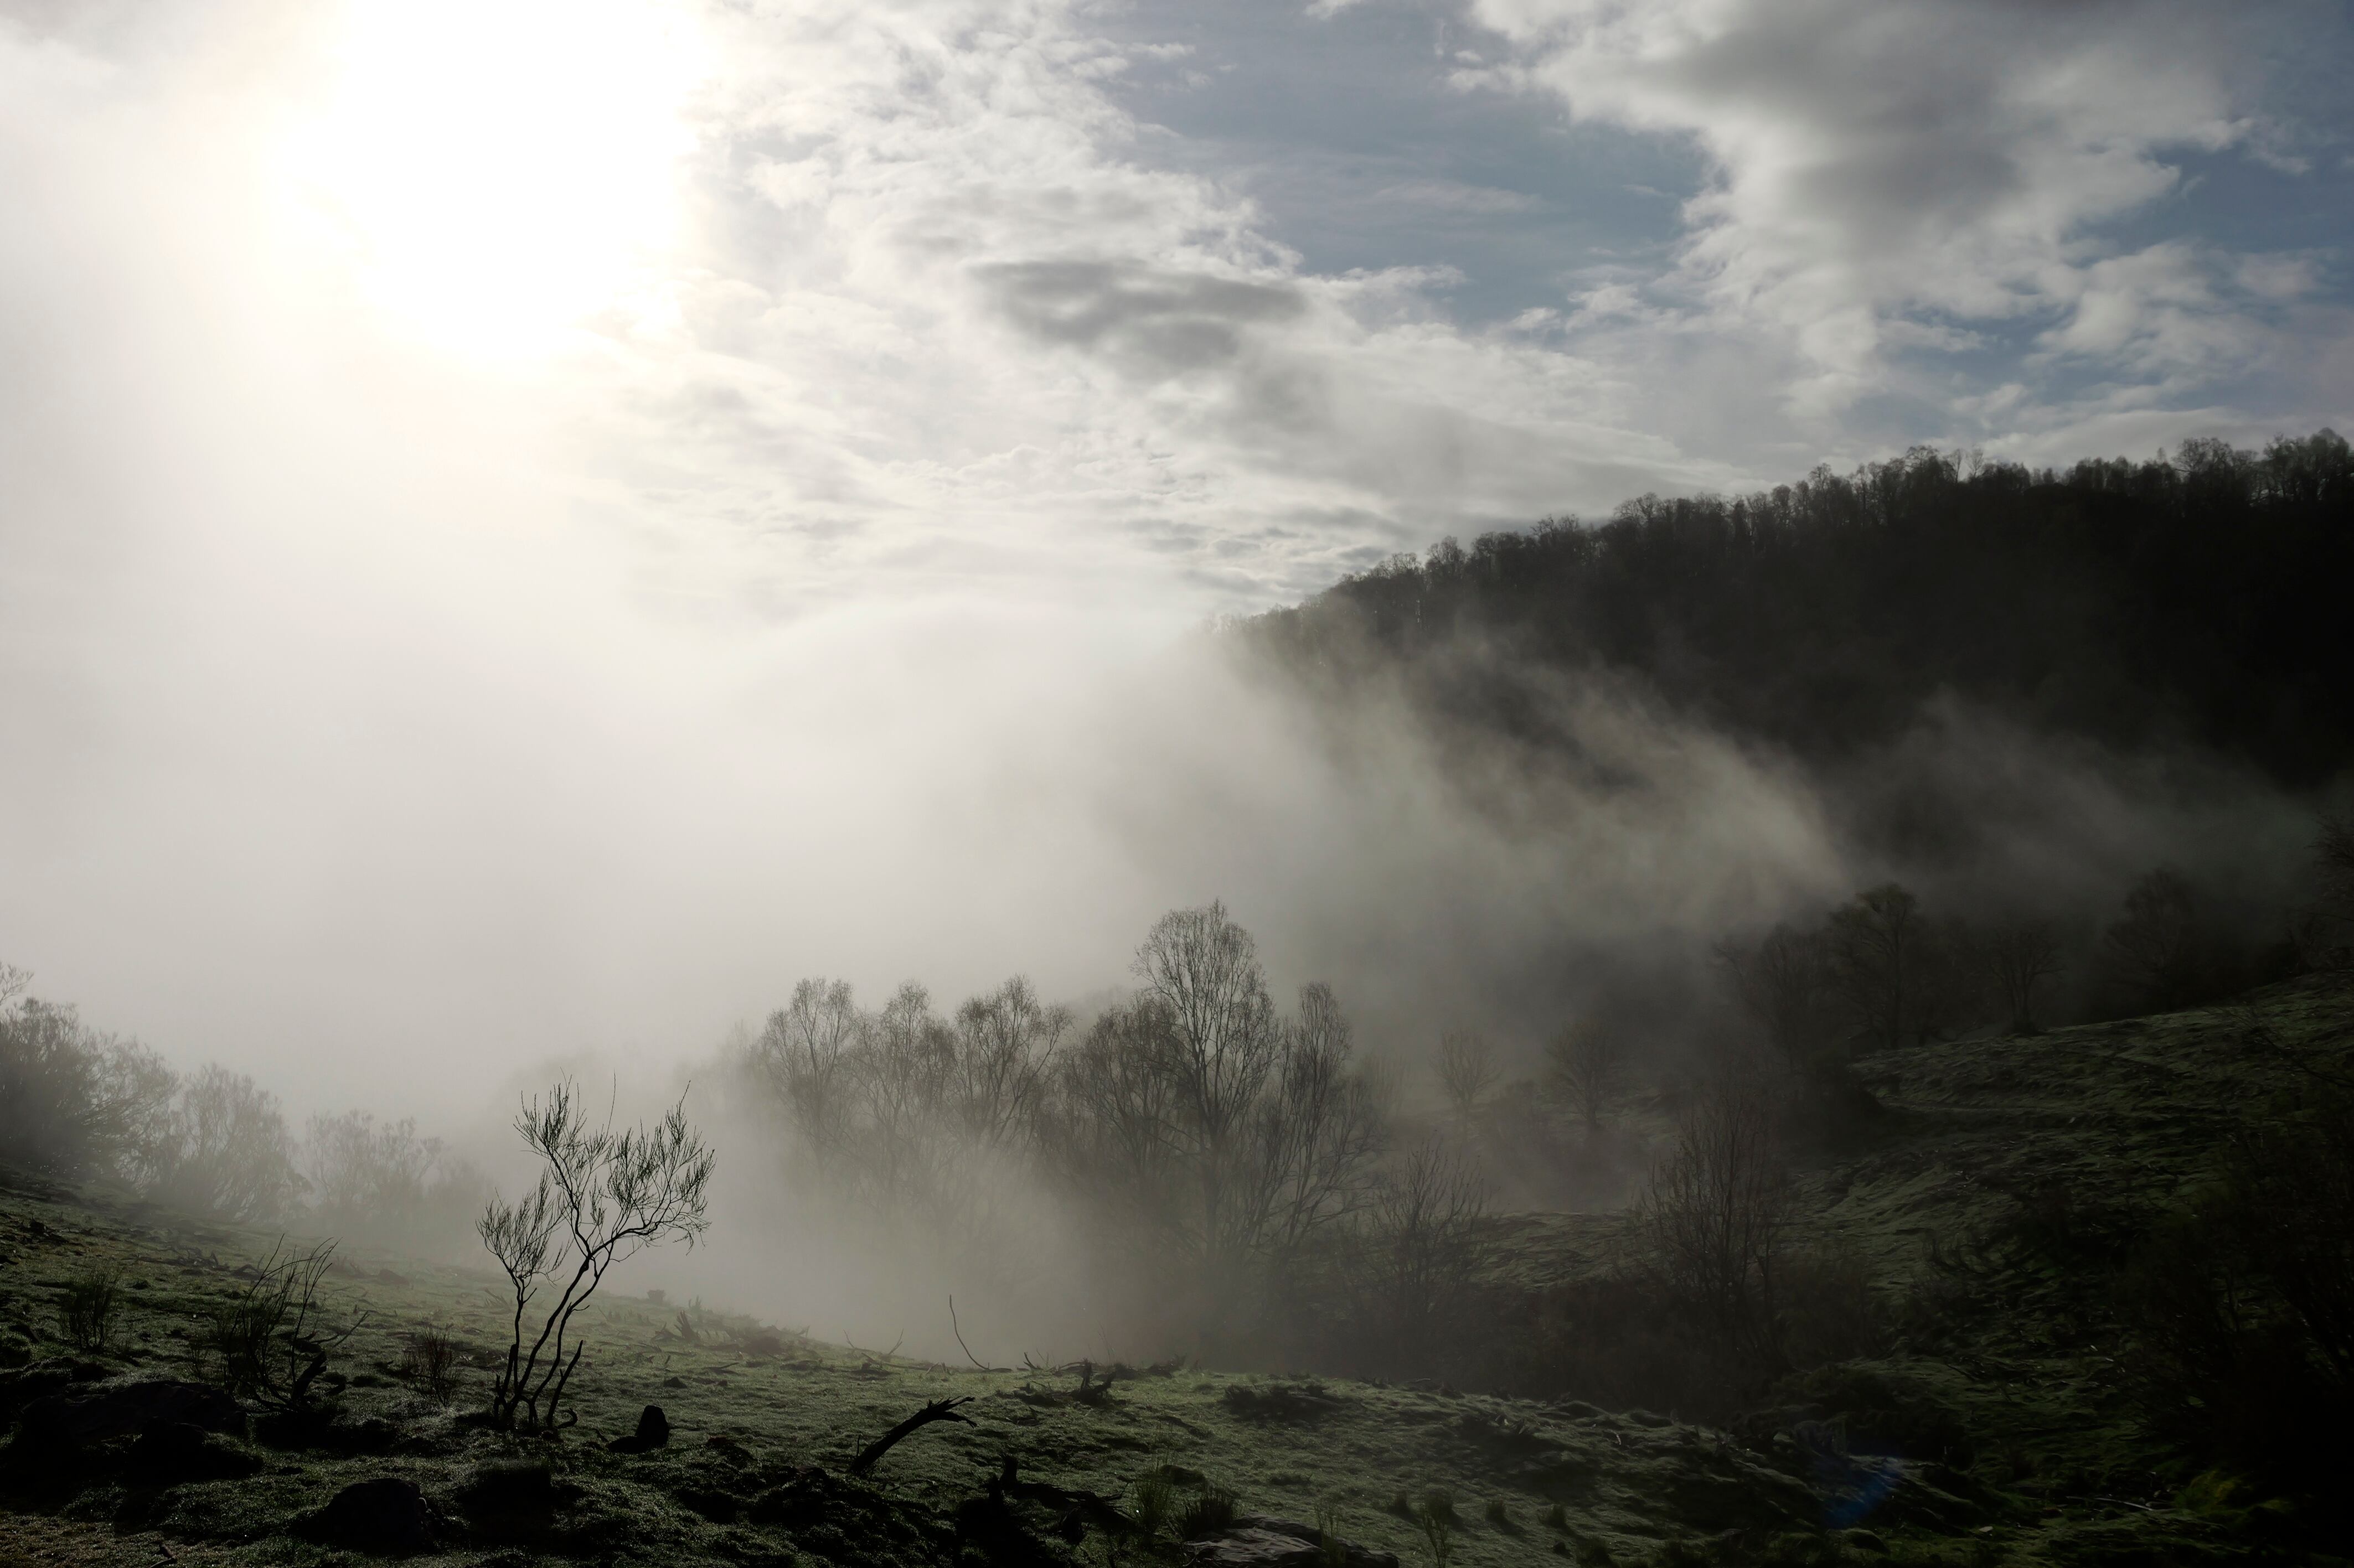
(1876, 951)
(377, 1179)
(803, 1053)
(1467, 1071)
(225, 1149)
(1417, 1252)
(2329, 935)
(1718, 1214)
(602, 1196)
(73, 1100)
(2015, 960)
(1215, 1134)
(1784, 985)
(2166, 950)
(1584, 1064)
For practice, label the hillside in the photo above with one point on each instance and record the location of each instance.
(2191, 603)
(1995, 1427)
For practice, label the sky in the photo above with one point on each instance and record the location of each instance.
(525, 525)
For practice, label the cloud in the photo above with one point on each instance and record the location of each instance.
(1454, 196)
(1158, 323)
(1882, 168)
(797, 609)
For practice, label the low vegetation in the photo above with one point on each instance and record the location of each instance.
(2093, 1285)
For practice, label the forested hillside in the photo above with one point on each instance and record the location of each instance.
(2196, 600)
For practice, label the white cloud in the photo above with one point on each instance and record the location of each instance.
(1883, 169)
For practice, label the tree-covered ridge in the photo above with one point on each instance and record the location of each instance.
(2200, 599)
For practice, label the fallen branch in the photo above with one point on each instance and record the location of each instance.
(937, 1410)
(962, 1345)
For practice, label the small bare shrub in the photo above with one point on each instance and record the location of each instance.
(87, 1311)
(272, 1342)
(602, 1196)
(429, 1363)
(1438, 1520)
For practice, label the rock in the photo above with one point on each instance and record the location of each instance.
(20, 1388)
(513, 1501)
(1261, 1542)
(170, 1452)
(654, 1431)
(326, 1431)
(385, 1517)
(66, 1422)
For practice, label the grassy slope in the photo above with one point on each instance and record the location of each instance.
(2063, 1128)
(1991, 1200)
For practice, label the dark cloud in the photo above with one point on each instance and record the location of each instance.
(1153, 322)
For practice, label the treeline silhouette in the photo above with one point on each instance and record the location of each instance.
(77, 1103)
(2199, 599)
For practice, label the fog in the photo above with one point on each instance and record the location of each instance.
(402, 723)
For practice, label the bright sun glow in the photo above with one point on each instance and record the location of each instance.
(505, 167)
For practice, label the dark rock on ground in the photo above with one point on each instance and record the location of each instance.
(719, 1507)
(1261, 1542)
(1281, 1400)
(64, 1422)
(515, 1500)
(654, 1431)
(385, 1517)
(325, 1431)
(842, 1520)
(170, 1452)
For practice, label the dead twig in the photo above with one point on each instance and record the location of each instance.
(937, 1410)
(870, 1355)
(960, 1339)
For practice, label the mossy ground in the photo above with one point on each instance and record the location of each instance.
(1997, 1156)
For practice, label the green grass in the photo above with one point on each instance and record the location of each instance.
(2043, 1462)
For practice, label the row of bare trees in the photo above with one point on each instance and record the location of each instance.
(1879, 971)
(79, 1102)
(1194, 1131)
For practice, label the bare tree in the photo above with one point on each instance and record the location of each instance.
(2333, 859)
(1583, 1064)
(2325, 933)
(2015, 960)
(804, 1053)
(72, 1099)
(1318, 1132)
(1005, 1047)
(2160, 949)
(1467, 1071)
(1221, 1041)
(1876, 947)
(1417, 1251)
(226, 1149)
(371, 1177)
(603, 1196)
(1717, 1212)
(1784, 987)
(1217, 1135)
